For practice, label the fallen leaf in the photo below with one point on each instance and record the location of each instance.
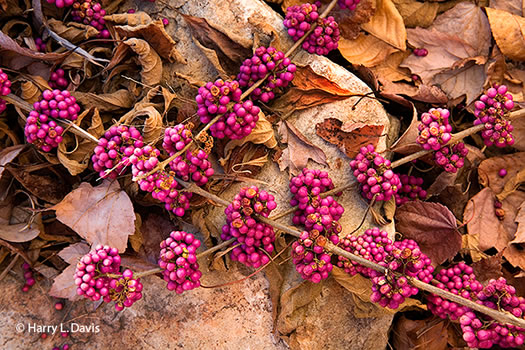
(428, 334)
(292, 300)
(465, 79)
(247, 159)
(433, 226)
(470, 245)
(365, 50)
(72, 253)
(520, 219)
(454, 198)
(7, 155)
(72, 31)
(415, 13)
(482, 221)
(153, 126)
(508, 30)
(406, 143)
(22, 232)
(350, 21)
(120, 99)
(43, 185)
(101, 215)
(131, 19)
(387, 24)
(513, 6)
(8, 44)
(150, 61)
(155, 228)
(64, 285)
(488, 268)
(349, 141)
(299, 150)
(489, 168)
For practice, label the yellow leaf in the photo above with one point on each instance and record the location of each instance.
(366, 50)
(387, 25)
(509, 33)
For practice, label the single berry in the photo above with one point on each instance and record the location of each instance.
(502, 172)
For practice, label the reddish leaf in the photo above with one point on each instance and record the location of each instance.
(349, 141)
(489, 168)
(155, 228)
(101, 215)
(71, 254)
(64, 285)
(7, 155)
(299, 150)
(488, 268)
(433, 226)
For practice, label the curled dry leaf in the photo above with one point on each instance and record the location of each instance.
(101, 215)
(246, 160)
(120, 99)
(366, 50)
(433, 226)
(130, 19)
(74, 32)
(7, 155)
(30, 92)
(150, 61)
(406, 143)
(387, 24)
(507, 30)
(299, 150)
(489, 168)
(415, 13)
(349, 138)
(22, 232)
(513, 6)
(72, 253)
(470, 245)
(428, 334)
(8, 44)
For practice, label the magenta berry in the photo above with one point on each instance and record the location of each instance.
(324, 38)
(410, 190)
(348, 4)
(165, 22)
(131, 11)
(502, 172)
(61, 3)
(434, 129)
(266, 61)
(124, 291)
(255, 238)
(493, 110)
(28, 277)
(179, 261)
(374, 174)
(222, 99)
(299, 19)
(40, 45)
(59, 306)
(91, 13)
(5, 89)
(311, 260)
(111, 155)
(420, 52)
(451, 157)
(57, 80)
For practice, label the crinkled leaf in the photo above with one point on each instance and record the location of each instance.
(72, 31)
(43, 186)
(8, 44)
(365, 50)
(489, 168)
(408, 334)
(433, 226)
(7, 155)
(101, 215)
(150, 61)
(415, 13)
(120, 99)
(513, 6)
(64, 285)
(508, 31)
(488, 268)
(299, 150)
(350, 139)
(387, 24)
(470, 245)
(72, 253)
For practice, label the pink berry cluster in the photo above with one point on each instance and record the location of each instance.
(266, 61)
(434, 129)
(161, 184)
(179, 262)
(375, 175)
(315, 212)
(324, 38)
(5, 89)
(57, 79)
(483, 332)
(124, 291)
(28, 277)
(58, 104)
(460, 280)
(451, 157)
(90, 271)
(311, 260)
(255, 238)
(91, 13)
(194, 165)
(40, 45)
(373, 245)
(61, 3)
(492, 110)
(111, 155)
(420, 52)
(410, 190)
(299, 19)
(406, 258)
(348, 4)
(222, 98)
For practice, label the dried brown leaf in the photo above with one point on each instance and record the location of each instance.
(43, 186)
(155, 229)
(470, 245)
(489, 168)
(520, 219)
(420, 334)
(433, 226)
(120, 99)
(387, 24)
(488, 268)
(72, 253)
(515, 7)
(8, 44)
(415, 13)
(406, 143)
(101, 215)
(130, 19)
(352, 138)
(509, 32)
(22, 232)
(64, 285)
(350, 22)
(72, 31)
(466, 79)
(292, 300)
(365, 50)
(150, 61)
(7, 155)
(299, 150)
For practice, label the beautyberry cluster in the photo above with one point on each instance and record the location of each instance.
(460, 280)
(111, 155)
(193, 164)
(28, 277)
(311, 260)
(483, 332)
(266, 61)
(57, 79)
(348, 4)
(434, 129)
(299, 19)
(373, 245)
(324, 38)
(313, 211)
(492, 110)
(410, 190)
(91, 13)
(40, 45)
(61, 3)
(451, 157)
(124, 291)
(5, 89)
(178, 259)
(222, 98)
(255, 238)
(375, 175)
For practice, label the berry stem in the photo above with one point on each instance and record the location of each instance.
(503, 317)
